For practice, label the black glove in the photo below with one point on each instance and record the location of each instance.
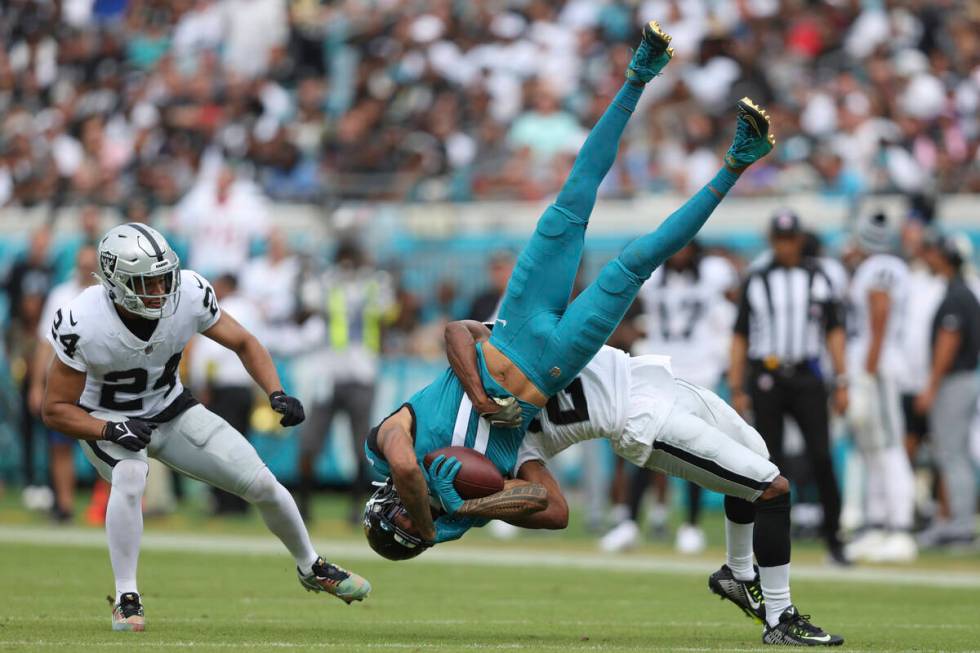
(290, 408)
(134, 434)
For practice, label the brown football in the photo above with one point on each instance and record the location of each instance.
(477, 476)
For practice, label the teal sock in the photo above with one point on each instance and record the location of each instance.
(646, 253)
(598, 153)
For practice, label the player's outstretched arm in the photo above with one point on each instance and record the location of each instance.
(59, 408)
(518, 500)
(554, 516)
(461, 338)
(395, 442)
(228, 333)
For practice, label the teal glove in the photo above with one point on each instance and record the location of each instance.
(442, 473)
(452, 528)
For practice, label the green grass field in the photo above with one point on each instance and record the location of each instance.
(223, 585)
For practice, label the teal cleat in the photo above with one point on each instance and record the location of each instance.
(651, 55)
(329, 578)
(752, 138)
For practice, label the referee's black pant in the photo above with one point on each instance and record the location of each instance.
(799, 392)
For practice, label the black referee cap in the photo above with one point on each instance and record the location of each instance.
(785, 222)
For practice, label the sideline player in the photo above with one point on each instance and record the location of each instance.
(540, 343)
(113, 384)
(878, 294)
(664, 423)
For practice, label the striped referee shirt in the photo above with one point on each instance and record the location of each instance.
(786, 312)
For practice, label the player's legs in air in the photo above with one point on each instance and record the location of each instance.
(705, 441)
(541, 283)
(201, 445)
(552, 347)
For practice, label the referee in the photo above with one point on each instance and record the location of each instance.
(788, 308)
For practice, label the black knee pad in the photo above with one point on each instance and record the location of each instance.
(776, 504)
(739, 510)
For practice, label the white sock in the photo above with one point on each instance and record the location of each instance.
(775, 590)
(738, 545)
(658, 515)
(900, 486)
(280, 514)
(124, 522)
(876, 495)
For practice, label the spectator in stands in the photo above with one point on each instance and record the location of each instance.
(545, 128)
(950, 396)
(271, 281)
(219, 219)
(144, 101)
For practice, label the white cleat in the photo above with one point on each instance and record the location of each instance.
(624, 536)
(895, 547)
(690, 540)
(865, 546)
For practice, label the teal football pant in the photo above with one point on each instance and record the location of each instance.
(548, 339)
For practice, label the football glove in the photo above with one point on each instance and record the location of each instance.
(134, 434)
(442, 473)
(452, 528)
(289, 407)
(509, 415)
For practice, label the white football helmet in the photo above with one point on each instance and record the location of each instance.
(139, 270)
(875, 234)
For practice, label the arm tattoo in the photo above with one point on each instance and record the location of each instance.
(515, 501)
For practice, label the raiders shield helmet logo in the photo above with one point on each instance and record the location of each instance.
(108, 262)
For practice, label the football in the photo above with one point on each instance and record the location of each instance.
(477, 476)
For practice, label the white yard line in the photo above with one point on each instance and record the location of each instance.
(415, 646)
(483, 557)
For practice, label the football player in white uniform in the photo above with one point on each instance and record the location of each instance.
(687, 317)
(113, 385)
(660, 422)
(877, 298)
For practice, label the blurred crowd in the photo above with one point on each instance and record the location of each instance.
(131, 102)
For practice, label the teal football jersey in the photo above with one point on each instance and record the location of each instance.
(444, 417)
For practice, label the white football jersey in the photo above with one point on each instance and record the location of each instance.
(58, 297)
(687, 317)
(596, 404)
(890, 274)
(124, 374)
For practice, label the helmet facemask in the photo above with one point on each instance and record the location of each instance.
(152, 296)
(384, 535)
(140, 271)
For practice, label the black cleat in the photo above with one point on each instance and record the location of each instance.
(746, 594)
(127, 615)
(795, 629)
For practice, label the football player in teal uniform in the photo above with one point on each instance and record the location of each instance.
(540, 341)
